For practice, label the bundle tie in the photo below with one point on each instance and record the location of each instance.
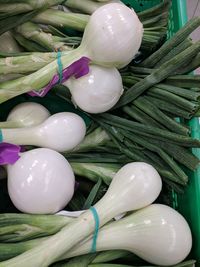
(96, 229)
(60, 66)
(1, 136)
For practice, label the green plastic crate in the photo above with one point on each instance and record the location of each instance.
(189, 203)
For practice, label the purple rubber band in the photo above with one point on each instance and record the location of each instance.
(9, 153)
(77, 69)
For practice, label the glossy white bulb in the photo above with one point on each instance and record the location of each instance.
(158, 234)
(134, 186)
(113, 35)
(28, 114)
(98, 91)
(61, 132)
(40, 182)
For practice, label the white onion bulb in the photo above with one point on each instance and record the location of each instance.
(113, 35)
(98, 91)
(40, 182)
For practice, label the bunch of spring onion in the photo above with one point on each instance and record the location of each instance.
(120, 55)
(34, 38)
(154, 213)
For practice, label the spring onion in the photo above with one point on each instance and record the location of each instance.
(62, 132)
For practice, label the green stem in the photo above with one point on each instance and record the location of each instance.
(174, 99)
(34, 33)
(148, 130)
(112, 255)
(94, 171)
(175, 40)
(181, 154)
(188, 94)
(26, 64)
(38, 79)
(173, 165)
(174, 51)
(61, 19)
(28, 45)
(93, 140)
(185, 81)
(11, 8)
(137, 114)
(160, 19)
(85, 6)
(164, 71)
(97, 158)
(193, 65)
(153, 111)
(126, 147)
(170, 108)
(155, 10)
(22, 227)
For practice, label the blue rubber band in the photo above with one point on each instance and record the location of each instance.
(1, 136)
(60, 67)
(96, 230)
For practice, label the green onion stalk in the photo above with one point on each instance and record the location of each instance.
(26, 64)
(14, 14)
(34, 33)
(28, 46)
(23, 227)
(8, 43)
(94, 171)
(87, 6)
(62, 19)
(8, 8)
(96, 138)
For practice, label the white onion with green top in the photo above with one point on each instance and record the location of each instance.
(98, 91)
(61, 132)
(25, 115)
